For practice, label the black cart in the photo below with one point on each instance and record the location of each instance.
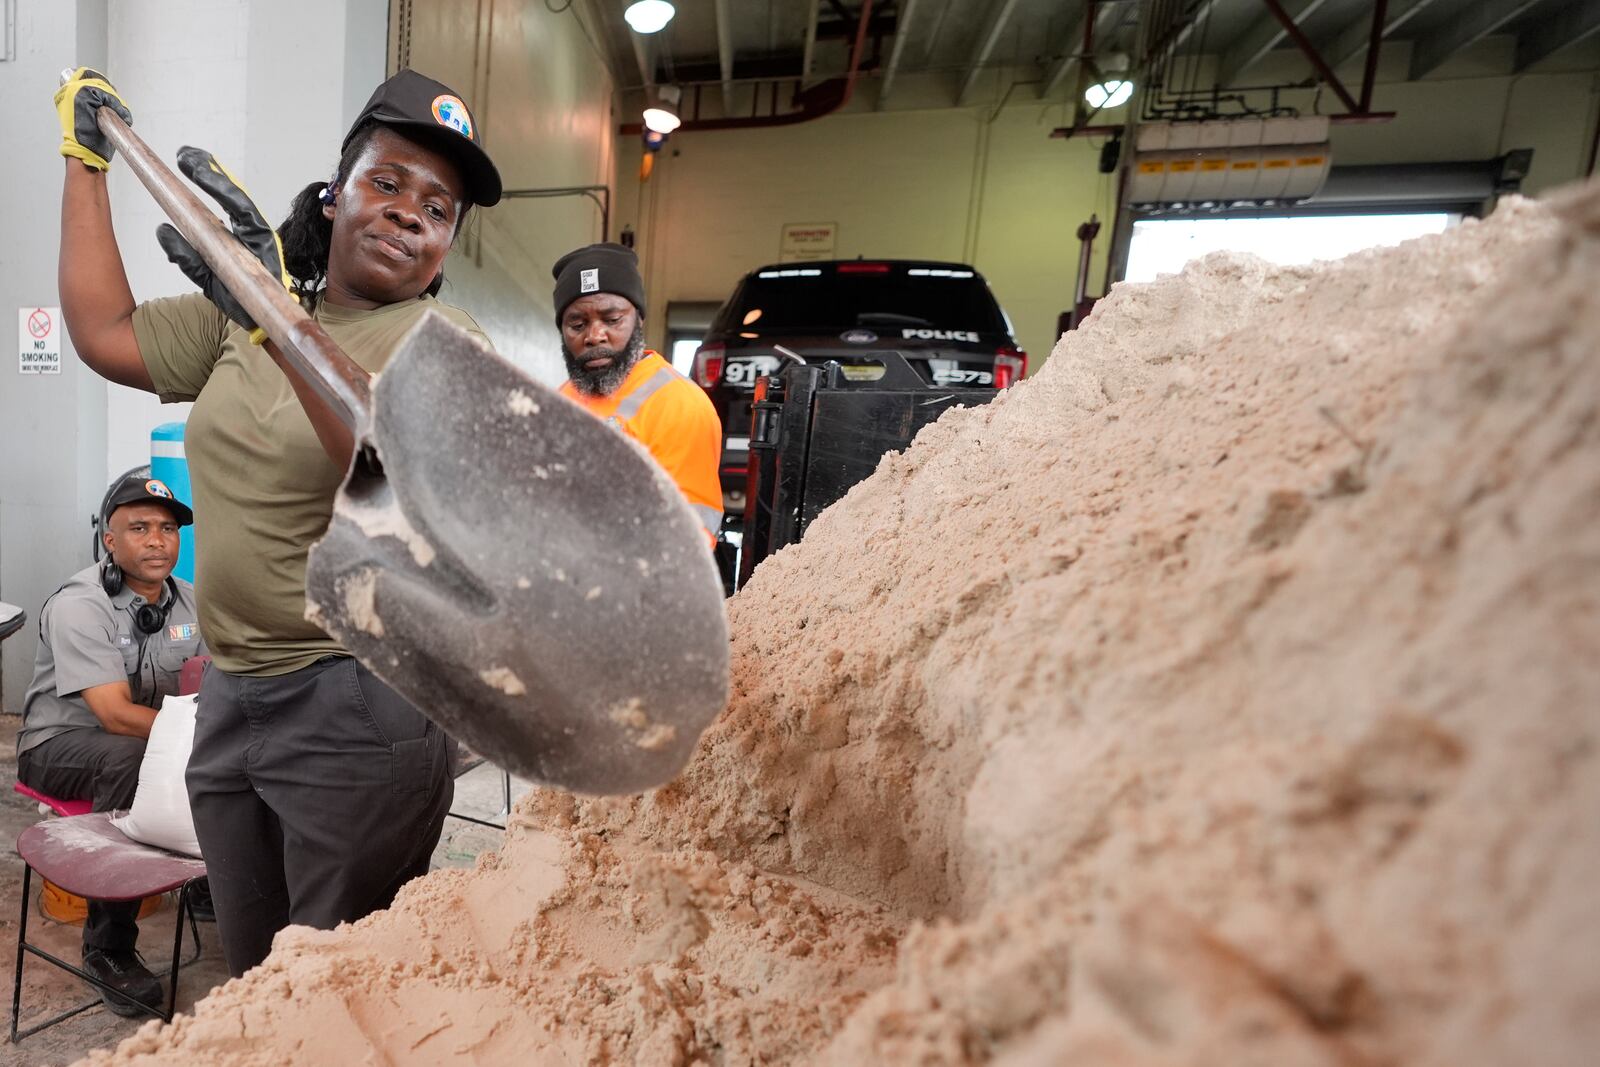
(815, 431)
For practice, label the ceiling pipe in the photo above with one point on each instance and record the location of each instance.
(600, 194)
(815, 103)
(811, 42)
(725, 54)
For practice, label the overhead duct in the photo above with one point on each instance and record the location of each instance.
(816, 102)
(1248, 160)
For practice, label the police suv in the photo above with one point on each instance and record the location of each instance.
(941, 317)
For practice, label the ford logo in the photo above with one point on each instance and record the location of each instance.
(858, 337)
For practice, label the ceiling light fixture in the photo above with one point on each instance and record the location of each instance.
(661, 109)
(649, 16)
(1110, 93)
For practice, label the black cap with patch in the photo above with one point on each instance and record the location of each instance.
(410, 101)
(149, 491)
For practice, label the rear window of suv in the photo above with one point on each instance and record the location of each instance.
(830, 298)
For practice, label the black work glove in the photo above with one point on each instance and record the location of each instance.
(83, 94)
(248, 225)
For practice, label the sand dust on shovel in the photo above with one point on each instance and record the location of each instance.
(1225, 694)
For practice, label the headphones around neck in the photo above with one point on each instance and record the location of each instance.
(147, 618)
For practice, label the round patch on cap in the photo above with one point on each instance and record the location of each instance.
(157, 488)
(450, 111)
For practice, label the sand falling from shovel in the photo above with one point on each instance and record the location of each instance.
(1223, 694)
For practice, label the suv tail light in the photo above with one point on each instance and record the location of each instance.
(708, 365)
(863, 268)
(1010, 366)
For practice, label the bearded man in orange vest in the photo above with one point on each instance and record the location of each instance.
(599, 301)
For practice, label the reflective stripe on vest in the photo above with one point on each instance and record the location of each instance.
(710, 517)
(634, 401)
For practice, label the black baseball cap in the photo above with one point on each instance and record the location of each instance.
(149, 491)
(410, 101)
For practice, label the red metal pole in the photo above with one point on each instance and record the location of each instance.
(1310, 50)
(1086, 131)
(1086, 235)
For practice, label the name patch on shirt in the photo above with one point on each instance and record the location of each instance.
(182, 631)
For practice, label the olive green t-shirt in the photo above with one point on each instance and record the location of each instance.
(263, 486)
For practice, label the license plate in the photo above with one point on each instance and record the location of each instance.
(744, 370)
(958, 376)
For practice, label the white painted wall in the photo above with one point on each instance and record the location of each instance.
(269, 86)
(542, 96)
(52, 428)
(270, 94)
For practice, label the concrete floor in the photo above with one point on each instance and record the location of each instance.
(46, 990)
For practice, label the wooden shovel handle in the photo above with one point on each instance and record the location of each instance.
(311, 353)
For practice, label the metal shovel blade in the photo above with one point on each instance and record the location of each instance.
(523, 574)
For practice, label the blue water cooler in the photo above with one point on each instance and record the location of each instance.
(169, 464)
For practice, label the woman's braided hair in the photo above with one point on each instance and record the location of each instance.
(307, 235)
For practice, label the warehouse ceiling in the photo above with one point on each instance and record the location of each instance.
(727, 43)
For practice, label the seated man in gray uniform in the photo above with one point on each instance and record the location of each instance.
(111, 643)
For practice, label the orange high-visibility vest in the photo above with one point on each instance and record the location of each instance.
(676, 423)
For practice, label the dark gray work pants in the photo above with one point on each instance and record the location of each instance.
(316, 796)
(90, 764)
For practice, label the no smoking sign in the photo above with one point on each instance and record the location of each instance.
(39, 340)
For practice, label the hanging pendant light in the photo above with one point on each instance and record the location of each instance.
(648, 16)
(661, 109)
(1108, 94)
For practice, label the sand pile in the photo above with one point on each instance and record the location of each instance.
(1226, 694)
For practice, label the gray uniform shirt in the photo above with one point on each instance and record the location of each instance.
(89, 639)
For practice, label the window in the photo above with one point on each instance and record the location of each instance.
(682, 356)
(1163, 246)
(836, 298)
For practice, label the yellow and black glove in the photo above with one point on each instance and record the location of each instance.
(248, 225)
(83, 94)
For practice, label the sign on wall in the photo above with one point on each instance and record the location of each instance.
(807, 240)
(39, 340)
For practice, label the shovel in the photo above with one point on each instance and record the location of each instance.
(518, 570)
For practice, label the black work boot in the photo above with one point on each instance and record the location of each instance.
(125, 972)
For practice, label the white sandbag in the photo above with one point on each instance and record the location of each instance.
(160, 814)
